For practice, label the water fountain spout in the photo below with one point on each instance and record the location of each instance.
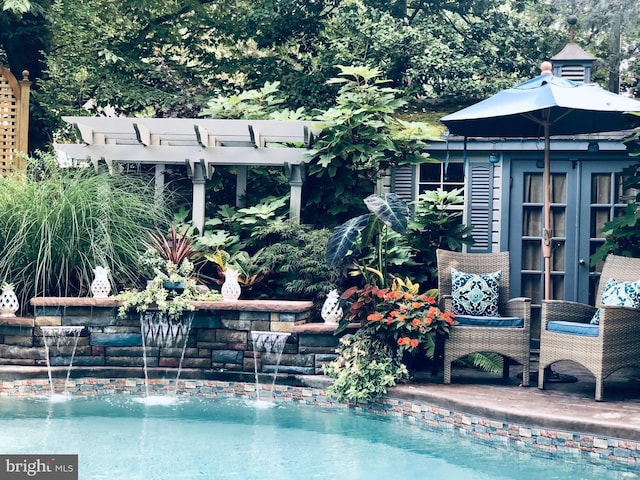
(56, 336)
(272, 343)
(160, 331)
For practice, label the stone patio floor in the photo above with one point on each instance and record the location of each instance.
(561, 406)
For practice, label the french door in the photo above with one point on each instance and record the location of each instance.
(585, 194)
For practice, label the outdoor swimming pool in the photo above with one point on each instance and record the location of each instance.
(202, 438)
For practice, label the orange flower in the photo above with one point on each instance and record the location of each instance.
(407, 296)
(416, 304)
(403, 341)
(375, 317)
(431, 300)
(414, 343)
(428, 320)
(403, 308)
(394, 313)
(415, 322)
(401, 318)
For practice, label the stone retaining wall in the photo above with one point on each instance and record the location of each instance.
(219, 339)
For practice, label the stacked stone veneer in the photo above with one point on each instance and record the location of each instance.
(219, 340)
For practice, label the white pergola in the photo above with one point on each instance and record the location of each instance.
(200, 144)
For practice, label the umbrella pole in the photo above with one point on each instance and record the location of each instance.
(546, 233)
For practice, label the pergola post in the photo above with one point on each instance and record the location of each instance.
(241, 185)
(198, 180)
(159, 180)
(295, 175)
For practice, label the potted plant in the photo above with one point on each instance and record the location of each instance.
(171, 278)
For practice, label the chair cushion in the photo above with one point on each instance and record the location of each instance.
(472, 320)
(475, 294)
(573, 328)
(623, 294)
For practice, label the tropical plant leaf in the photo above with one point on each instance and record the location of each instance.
(487, 361)
(390, 209)
(343, 238)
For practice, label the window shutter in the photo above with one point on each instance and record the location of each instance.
(480, 207)
(402, 181)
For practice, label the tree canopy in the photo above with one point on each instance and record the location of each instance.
(169, 58)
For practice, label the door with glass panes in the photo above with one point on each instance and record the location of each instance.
(585, 194)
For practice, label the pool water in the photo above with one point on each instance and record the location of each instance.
(120, 438)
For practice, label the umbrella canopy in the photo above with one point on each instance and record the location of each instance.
(542, 107)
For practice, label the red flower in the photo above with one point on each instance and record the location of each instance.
(414, 343)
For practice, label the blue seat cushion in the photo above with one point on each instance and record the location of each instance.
(476, 321)
(573, 328)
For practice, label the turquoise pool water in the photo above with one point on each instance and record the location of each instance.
(120, 438)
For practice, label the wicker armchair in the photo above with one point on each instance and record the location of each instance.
(603, 348)
(512, 342)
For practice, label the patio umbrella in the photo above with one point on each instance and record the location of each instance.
(542, 107)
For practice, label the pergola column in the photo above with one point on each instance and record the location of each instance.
(198, 179)
(295, 174)
(241, 185)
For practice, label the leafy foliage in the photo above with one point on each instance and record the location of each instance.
(354, 240)
(360, 138)
(435, 224)
(168, 58)
(409, 320)
(364, 370)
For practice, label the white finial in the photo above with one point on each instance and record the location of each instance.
(546, 68)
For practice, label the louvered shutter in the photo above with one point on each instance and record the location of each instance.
(480, 206)
(402, 181)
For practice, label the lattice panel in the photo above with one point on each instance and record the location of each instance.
(8, 125)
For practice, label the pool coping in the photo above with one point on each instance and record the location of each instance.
(547, 434)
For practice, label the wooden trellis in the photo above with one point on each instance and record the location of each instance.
(14, 120)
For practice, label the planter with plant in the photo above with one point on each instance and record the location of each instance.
(171, 278)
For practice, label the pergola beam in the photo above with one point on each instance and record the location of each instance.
(171, 154)
(200, 144)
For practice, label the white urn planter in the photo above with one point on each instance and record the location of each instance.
(8, 301)
(230, 288)
(100, 287)
(331, 311)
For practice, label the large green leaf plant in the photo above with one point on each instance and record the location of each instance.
(365, 246)
(361, 137)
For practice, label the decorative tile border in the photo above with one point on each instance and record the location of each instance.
(544, 442)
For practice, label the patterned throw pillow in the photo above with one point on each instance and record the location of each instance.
(623, 294)
(475, 294)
